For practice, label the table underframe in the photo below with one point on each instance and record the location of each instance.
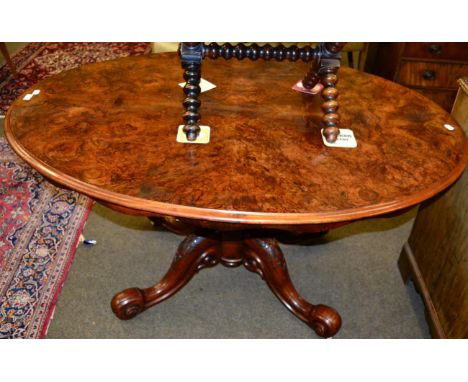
(257, 250)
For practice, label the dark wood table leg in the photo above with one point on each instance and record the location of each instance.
(193, 254)
(262, 256)
(265, 257)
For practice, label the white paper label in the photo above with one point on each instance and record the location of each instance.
(204, 85)
(203, 136)
(345, 139)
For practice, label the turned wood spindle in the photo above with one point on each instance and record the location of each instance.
(192, 100)
(330, 118)
(334, 47)
(191, 54)
(253, 52)
(325, 57)
(312, 78)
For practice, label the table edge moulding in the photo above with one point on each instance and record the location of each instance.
(230, 236)
(145, 206)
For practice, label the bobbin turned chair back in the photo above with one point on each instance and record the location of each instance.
(324, 58)
(353, 55)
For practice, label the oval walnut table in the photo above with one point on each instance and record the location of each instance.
(108, 130)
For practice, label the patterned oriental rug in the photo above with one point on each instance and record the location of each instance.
(40, 224)
(38, 60)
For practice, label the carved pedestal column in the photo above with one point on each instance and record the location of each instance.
(262, 256)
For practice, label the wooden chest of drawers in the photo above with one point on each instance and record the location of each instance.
(432, 68)
(436, 253)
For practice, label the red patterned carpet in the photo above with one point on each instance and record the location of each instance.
(39, 230)
(40, 224)
(38, 60)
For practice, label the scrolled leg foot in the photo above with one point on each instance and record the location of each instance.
(262, 256)
(128, 303)
(265, 257)
(193, 254)
(324, 320)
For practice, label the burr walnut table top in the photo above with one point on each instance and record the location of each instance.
(108, 130)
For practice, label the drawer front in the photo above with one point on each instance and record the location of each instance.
(457, 51)
(428, 74)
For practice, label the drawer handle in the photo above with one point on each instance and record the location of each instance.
(435, 49)
(429, 75)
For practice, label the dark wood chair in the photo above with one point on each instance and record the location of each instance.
(324, 59)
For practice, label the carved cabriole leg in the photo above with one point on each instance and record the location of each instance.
(262, 256)
(330, 118)
(265, 257)
(193, 254)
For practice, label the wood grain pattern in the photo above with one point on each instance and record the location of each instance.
(436, 254)
(439, 242)
(429, 67)
(444, 98)
(436, 50)
(444, 75)
(108, 130)
(409, 270)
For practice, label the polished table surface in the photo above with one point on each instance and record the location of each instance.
(108, 130)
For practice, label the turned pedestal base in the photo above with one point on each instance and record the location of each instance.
(262, 256)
